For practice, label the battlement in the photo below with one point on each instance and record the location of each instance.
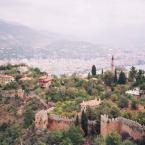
(121, 125)
(60, 118)
(132, 124)
(105, 118)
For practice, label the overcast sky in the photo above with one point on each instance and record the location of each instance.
(117, 22)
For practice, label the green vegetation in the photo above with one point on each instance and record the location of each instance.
(66, 93)
(84, 122)
(9, 134)
(28, 118)
(122, 78)
(123, 102)
(93, 70)
(113, 139)
(71, 136)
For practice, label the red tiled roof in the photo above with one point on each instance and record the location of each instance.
(6, 76)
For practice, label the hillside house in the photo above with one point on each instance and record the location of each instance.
(45, 81)
(91, 103)
(135, 92)
(5, 79)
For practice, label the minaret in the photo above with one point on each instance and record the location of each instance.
(112, 63)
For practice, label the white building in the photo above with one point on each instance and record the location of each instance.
(134, 92)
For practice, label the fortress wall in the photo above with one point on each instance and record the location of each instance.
(134, 129)
(58, 124)
(121, 125)
(109, 125)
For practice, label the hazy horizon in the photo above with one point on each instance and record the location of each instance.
(119, 23)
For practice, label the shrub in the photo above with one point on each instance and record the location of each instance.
(134, 104)
(123, 102)
(113, 139)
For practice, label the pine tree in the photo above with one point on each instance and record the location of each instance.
(122, 78)
(93, 70)
(84, 123)
(77, 122)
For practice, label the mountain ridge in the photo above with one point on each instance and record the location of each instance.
(17, 40)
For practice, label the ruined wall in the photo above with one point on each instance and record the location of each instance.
(134, 129)
(109, 125)
(51, 122)
(56, 122)
(41, 120)
(121, 125)
(58, 125)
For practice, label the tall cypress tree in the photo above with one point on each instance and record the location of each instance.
(115, 76)
(84, 123)
(122, 78)
(77, 122)
(102, 71)
(93, 70)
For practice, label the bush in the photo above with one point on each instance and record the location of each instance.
(71, 136)
(128, 142)
(9, 135)
(99, 141)
(113, 139)
(75, 135)
(134, 104)
(123, 102)
(28, 118)
(114, 112)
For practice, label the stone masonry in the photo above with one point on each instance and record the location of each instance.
(123, 126)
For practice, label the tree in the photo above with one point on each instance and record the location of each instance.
(122, 78)
(132, 73)
(113, 139)
(75, 135)
(114, 112)
(93, 70)
(102, 71)
(28, 118)
(84, 123)
(9, 135)
(77, 122)
(55, 137)
(115, 76)
(140, 77)
(66, 141)
(108, 78)
(134, 104)
(99, 140)
(141, 118)
(123, 102)
(142, 87)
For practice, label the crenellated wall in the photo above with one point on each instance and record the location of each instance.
(44, 120)
(56, 122)
(121, 125)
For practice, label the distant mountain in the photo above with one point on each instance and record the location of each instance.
(23, 42)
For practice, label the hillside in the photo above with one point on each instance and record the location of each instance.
(23, 42)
